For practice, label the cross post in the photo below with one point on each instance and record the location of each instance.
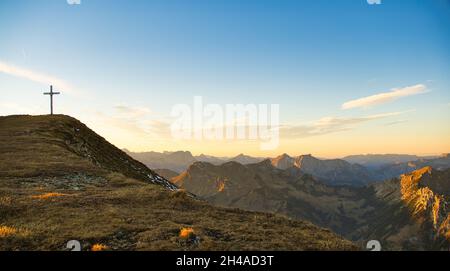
(51, 93)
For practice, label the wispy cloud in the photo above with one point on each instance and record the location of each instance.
(132, 111)
(392, 123)
(330, 125)
(385, 97)
(35, 77)
(138, 121)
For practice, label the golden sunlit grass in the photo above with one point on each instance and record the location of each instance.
(447, 235)
(5, 201)
(139, 216)
(99, 247)
(186, 233)
(48, 196)
(6, 231)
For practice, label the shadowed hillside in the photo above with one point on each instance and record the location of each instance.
(415, 214)
(60, 181)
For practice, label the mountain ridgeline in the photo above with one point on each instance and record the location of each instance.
(375, 161)
(179, 161)
(357, 170)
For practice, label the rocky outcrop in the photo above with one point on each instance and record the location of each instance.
(425, 191)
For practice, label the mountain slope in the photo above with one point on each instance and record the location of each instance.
(60, 181)
(415, 214)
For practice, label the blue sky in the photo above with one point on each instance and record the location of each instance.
(308, 56)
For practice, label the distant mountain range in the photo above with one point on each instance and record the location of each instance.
(394, 170)
(175, 161)
(357, 170)
(179, 161)
(375, 161)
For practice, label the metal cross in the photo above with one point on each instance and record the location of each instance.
(51, 93)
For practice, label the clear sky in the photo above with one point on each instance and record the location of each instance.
(349, 77)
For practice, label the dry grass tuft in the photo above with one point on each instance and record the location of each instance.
(48, 196)
(179, 194)
(186, 233)
(6, 201)
(6, 231)
(99, 247)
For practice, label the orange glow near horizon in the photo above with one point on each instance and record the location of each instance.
(420, 136)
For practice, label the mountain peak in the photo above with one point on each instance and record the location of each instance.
(283, 161)
(245, 159)
(283, 156)
(305, 158)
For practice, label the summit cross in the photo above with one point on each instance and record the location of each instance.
(51, 93)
